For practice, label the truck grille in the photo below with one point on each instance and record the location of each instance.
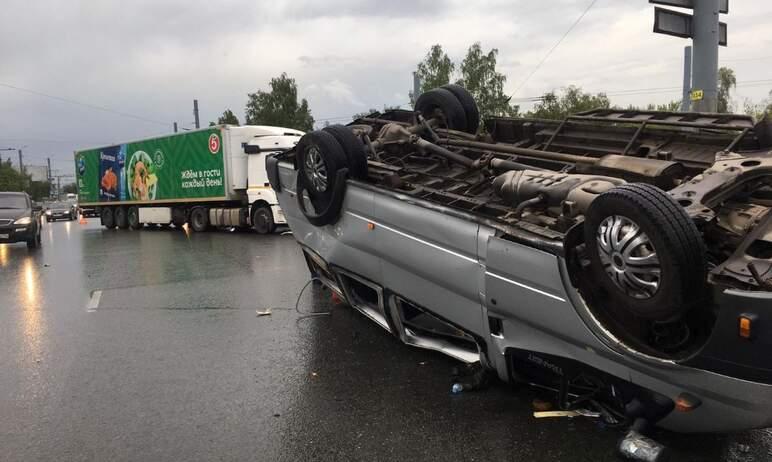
(5, 222)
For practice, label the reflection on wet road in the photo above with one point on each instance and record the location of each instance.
(172, 363)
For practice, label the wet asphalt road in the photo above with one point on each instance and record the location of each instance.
(173, 363)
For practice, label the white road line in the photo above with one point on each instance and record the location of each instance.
(93, 304)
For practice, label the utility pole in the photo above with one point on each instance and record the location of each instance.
(707, 33)
(50, 185)
(175, 127)
(685, 102)
(21, 164)
(706, 38)
(195, 111)
(416, 87)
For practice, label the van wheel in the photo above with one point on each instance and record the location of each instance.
(199, 219)
(121, 218)
(108, 218)
(262, 220)
(353, 148)
(323, 170)
(133, 218)
(646, 251)
(441, 104)
(468, 103)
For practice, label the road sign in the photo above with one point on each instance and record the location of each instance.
(696, 95)
(723, 4)
(679, 24)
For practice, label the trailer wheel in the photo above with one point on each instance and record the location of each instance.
(107, 217)
(468, 103)
(441, 104)
(121, 218)
(353, 148)
(178, 217)
(646, 251)
(199, 219)
(133, 218)
(262, 220)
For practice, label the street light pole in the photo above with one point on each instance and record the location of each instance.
(705, 64)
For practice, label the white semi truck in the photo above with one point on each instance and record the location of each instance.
(213, 177)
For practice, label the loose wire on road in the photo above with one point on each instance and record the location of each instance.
(305, 314)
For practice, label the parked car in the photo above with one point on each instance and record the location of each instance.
(19, 220)
(620, 258)
(61, 211)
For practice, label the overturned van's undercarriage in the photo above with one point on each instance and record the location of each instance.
(616, 239)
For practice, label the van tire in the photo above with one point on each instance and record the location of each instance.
(468, 103)
(441, 103)
(353, 148)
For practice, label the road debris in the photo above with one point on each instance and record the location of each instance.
(264, 313)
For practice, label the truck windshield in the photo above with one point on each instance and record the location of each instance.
(13, 201)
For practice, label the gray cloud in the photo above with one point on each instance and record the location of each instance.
(152, 58)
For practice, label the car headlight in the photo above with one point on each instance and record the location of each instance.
(23, 221)
(48, 212)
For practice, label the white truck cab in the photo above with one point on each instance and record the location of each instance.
(268, 141)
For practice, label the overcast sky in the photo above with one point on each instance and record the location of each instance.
(151, 58)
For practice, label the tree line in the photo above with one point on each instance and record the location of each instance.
(478, 73)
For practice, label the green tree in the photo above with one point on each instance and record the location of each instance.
(672, 106)
(726, 81)
(279, 107)
(39, 190)
(571, 101)
(10, 178)
(436, 69)
(228, 117)
(480, 77)
(372, 111)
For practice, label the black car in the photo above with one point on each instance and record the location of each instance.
(61, 211)
(19, 221)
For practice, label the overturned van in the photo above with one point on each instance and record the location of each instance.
(621, 258)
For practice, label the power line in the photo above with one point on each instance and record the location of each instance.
(554, 47)
(88, 105)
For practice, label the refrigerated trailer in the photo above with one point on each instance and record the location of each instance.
(208, 178)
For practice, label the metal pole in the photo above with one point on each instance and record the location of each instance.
(705, 67)
(195, 111)
(21, 164)
(685, 102)
(416, 86)
(175, 127)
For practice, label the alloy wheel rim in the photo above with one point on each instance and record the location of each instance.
(316, 169)
(629, 257)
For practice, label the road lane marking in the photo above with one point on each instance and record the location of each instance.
(93, 304)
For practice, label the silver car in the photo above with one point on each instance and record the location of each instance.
(622, 259)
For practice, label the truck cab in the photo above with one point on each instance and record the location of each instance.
(262, 199)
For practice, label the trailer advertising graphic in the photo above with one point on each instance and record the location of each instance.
(184, 166)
